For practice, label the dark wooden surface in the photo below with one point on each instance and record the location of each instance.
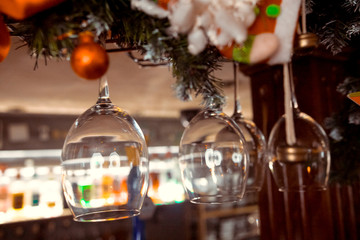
(167, 222)
(333, 214)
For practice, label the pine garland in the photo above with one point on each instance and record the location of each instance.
(336, 22)
(129, 28)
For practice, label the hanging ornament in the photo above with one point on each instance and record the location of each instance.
(256, 49)
(270, 37)
(4, 40)
(21, 9)
(214, 22)
(89, 60)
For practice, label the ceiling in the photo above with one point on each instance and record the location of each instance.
(54, 88)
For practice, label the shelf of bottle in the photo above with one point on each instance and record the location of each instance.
(9, 218)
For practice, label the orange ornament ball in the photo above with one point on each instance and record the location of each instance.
(89, 60)
(21, 9)
(4, 40)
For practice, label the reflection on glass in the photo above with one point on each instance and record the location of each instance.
(105, 163)
(213, 159)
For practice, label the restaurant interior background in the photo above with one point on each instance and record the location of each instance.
(39, 106)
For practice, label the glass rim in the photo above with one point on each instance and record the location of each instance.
(216, 199)
(106, 215)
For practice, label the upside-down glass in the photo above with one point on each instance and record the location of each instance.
(301, 162)
(213, 159)
(254, 140)
(105, 163)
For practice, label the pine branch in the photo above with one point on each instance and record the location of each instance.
(336, 22)
(334, 36)
(344, 129)
(129, 28)
(352, 5)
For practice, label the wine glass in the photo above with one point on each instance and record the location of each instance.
(299, 156)
(254, 141)
(105, 163)
(213, 158)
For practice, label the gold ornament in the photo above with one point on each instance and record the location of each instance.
(4, 40)
(305, 43)
(89, 60)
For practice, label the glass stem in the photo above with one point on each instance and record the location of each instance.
(290, 105)
(237, 105)
(104, 95)
(293, 99)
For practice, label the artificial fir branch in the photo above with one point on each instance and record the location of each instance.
(334, 36)
(344, 127)
(336, 22)
(196, 74)
(129, 28)
(352, 5)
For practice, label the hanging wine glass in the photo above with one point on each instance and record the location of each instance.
(254, 141)
(105, 163)
(213, 158)
(298, 146)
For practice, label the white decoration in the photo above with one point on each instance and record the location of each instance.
(150, 8)
(285, 28)
(197, 41)
(215, 22)
(182, 16)
(233, 28)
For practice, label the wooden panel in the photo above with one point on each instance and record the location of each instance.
(332, 214)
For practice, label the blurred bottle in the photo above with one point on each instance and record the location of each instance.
(51, 202)
(85, 188)
(74, 186)
(107, 187)
(117, 189)
(153, 192)
(96, 173)
(171, 191)
(117, 178)
(17, 195)
(154, 177)
(4, 194)
(32, 192)
(96, 191)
